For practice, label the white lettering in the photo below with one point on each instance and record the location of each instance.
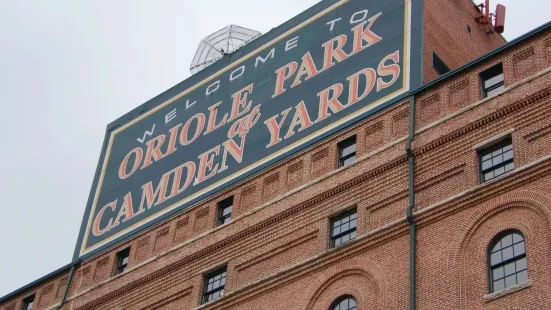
(271, 54)
(242, 68)
(209, 91)
(354, 21)
(170, 116)
(188, 105)
(332, 23)
(291, 43)
(147, 133)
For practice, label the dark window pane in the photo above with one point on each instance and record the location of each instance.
(349, 160)
(345, 226)
(507, 253)
(227, 211)
(495, 258)
(510, 280)
(497, 160)
(494, 80)
(499, 285)
(519, 249)
(225, 208)
(497, 273)
(507, 241)
(497, 246)
(497, 152)
(508, 155)
(122, 260)
(510, 269)
(499, 171)
(347, 303)
(509, 167)
(347, 150)
(345, 238)
(522, 276)
(214, 285)
(495, 91)
(521, 264)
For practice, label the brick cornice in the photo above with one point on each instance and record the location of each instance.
(240, 235)
(514, 107)
(485, 192)
(312, 265)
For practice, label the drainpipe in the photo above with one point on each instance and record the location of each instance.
(67, 285)
(409, 211)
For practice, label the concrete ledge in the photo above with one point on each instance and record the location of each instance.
(507, 291)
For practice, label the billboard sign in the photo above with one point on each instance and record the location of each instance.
(318, 73)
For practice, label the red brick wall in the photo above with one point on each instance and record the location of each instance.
(446, 34)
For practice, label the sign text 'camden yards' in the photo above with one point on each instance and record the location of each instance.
(324, 73)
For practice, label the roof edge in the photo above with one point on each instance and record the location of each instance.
(39, 280)
(487, 56)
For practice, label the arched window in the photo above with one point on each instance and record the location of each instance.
(346, 302)
(507, 259)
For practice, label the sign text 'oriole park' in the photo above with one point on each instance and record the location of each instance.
(325, 69)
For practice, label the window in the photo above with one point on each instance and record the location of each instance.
(122, 260)
(496, 160)
(507, 258)
(345, 303)
(492, 81)
(343, 228)
(214, 285)
(347, 151)
(28, 303)
(224, 211)
(439, 65)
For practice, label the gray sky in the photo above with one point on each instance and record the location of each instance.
(68, 68)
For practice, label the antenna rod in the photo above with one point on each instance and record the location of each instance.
(487, 7)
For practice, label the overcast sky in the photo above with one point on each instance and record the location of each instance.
(68, 68)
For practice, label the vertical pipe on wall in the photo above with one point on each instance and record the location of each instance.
(67, 286)
(409, 211)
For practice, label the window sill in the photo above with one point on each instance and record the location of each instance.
(507, 291)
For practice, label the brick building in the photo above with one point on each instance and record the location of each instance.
(440, 200)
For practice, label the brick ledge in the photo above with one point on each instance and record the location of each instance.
(507, 291)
